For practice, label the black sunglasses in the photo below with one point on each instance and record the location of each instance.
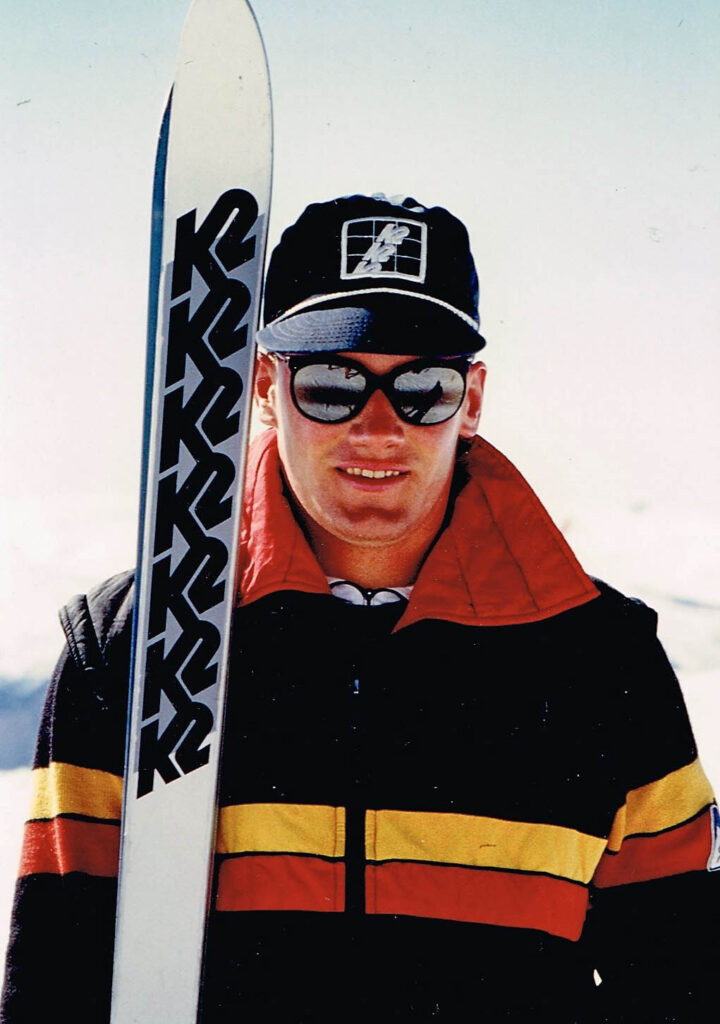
(333, 390)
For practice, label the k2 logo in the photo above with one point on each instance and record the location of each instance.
(191, 534)
(384, 247)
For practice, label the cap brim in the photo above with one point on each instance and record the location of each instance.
(383, 323)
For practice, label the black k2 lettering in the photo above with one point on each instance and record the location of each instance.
(193, 581)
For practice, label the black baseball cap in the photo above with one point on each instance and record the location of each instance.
(373, 274)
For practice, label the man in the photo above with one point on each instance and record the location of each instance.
(458, 779)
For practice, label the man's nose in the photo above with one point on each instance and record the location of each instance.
(378, 420)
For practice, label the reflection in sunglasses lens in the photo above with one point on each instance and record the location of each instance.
(328, 393)
(431, 395)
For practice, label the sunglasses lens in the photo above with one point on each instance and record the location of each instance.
(429, 395)
(328, 393)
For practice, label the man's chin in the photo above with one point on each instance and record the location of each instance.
(370, 530)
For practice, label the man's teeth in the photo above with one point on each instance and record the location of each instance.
(375, 474)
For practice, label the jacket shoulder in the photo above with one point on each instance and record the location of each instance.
(92, 621)
(622, 608)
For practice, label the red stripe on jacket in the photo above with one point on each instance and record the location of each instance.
(506, 898)
(281, 882)
(63, 845)
(641, 858)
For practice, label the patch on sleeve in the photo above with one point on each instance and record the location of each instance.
(713, 863)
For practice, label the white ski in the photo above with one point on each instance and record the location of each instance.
(210, 209)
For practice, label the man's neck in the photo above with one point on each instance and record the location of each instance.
(374, 565)
(371, 567)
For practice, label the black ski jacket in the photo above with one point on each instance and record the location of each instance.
(469, 809)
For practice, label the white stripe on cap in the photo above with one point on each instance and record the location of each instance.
(317, 300)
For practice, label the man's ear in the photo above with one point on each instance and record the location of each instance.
(265, 388)
(472, 405)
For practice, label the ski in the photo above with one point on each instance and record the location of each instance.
(210, 208)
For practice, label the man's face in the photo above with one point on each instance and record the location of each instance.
(323, 461)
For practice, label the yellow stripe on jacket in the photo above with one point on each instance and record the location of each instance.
(662, 804)
(477, 841)
(67, 789)
(282, 828)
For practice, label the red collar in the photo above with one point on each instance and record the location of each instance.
(501, 560)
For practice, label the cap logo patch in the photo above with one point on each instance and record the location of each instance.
(384, 247)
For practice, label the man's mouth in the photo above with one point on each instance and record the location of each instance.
(370, 474)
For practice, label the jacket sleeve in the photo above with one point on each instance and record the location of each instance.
(59, 960)
(654, 923)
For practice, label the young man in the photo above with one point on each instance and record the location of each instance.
(458, 776)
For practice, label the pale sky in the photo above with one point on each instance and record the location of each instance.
(578, 140)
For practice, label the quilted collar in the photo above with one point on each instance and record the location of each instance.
(501, 560)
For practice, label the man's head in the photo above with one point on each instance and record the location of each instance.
(373, 274)
(371, 324)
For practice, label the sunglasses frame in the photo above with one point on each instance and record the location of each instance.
(376, 381)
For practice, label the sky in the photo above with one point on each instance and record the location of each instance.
(579, 142)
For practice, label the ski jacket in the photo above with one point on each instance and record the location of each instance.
(456, 810)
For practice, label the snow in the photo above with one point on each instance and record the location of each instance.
(49, 554)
